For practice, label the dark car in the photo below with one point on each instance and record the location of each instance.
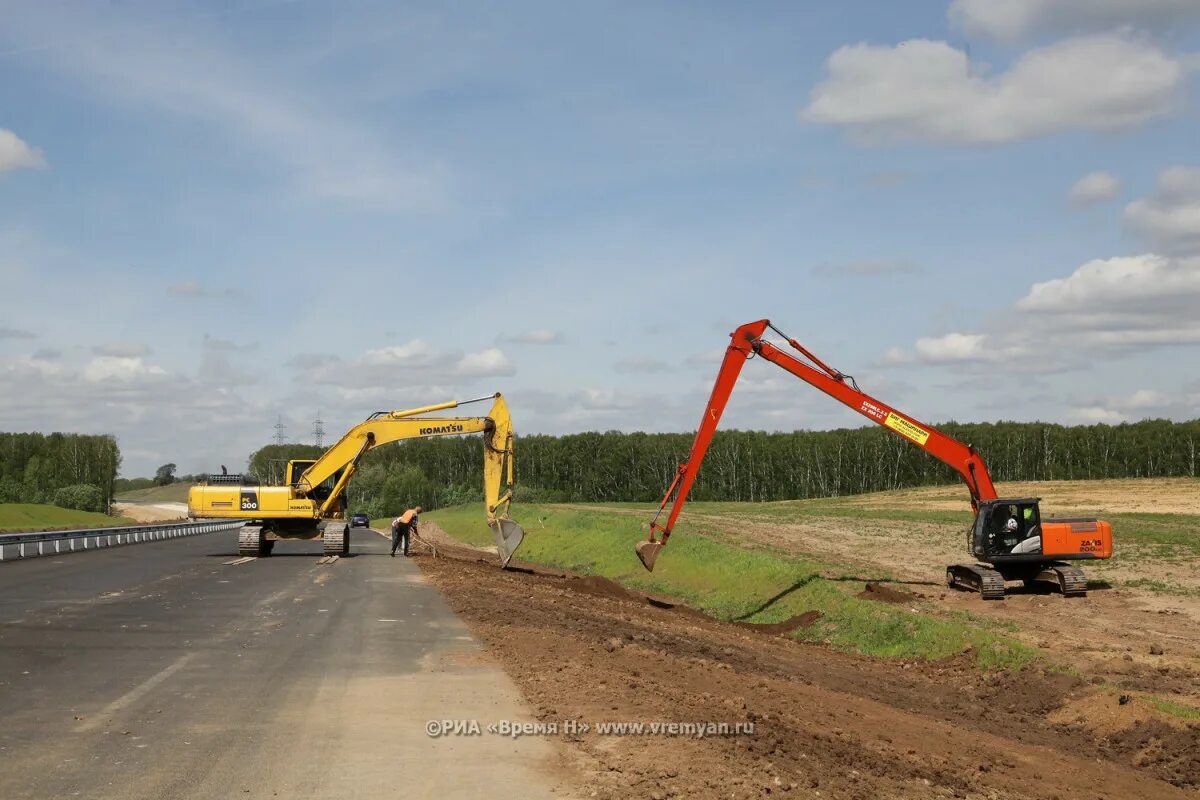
(360, 521)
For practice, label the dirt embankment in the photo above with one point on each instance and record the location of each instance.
(152, 512)
(825, 722)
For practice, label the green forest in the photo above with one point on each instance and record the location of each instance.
(752, 465)
(70, 470)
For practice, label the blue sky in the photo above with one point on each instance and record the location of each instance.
(212, 214)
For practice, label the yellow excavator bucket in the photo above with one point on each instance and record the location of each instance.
(508, 535)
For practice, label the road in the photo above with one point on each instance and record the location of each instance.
(161, 670)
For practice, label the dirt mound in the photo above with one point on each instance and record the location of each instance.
(1169, 752)
(886, 594)
(824, 721)
(601, 587)
(790, 624)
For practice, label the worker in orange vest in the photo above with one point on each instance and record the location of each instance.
(403, 528)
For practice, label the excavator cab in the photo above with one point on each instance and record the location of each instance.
(1007, 528)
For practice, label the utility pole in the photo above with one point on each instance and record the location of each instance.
(318, 430)
(280, 438)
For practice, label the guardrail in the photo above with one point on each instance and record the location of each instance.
(48, 543)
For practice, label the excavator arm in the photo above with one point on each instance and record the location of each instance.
(310, 504)
(747, 342)
(384, 427)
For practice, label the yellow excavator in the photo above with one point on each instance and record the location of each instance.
(312, 504)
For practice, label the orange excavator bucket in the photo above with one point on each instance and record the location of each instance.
(647, 553)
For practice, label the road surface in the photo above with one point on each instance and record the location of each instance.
(161, 670)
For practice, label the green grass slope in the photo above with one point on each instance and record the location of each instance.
(739, 583)
(171, 493)
(37, 517)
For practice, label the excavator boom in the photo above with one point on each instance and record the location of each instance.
(313, 501)
(1066, 538)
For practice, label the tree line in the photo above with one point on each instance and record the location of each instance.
(71, 470)
(754, 465)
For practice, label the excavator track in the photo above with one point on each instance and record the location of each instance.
(976, 577)
(252, 542)
(336, 538)
(1070, 580)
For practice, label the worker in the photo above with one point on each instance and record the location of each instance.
(1012, 525)
(403, 528)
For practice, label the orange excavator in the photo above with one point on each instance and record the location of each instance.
(1009, 538)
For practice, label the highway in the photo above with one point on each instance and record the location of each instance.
(163, 671)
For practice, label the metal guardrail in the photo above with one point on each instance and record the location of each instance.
(48, 543)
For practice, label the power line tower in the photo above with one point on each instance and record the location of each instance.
(318, 430)
(279, 427)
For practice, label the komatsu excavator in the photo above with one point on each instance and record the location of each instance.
(1008, 537)
(312, 505)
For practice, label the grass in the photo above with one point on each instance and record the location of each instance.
(1175, 709)
(734, 583)
(1161, 587)
(840, 508)
(171, 493)
(36, 517)
(1163, 535)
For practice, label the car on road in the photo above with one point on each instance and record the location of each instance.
(360, 521)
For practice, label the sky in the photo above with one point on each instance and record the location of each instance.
(215, 215)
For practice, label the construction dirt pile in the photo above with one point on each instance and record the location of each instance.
(825, 723)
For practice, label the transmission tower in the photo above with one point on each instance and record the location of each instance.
(318, 430)
(279, 427)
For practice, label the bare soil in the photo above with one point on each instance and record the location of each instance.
(827, 724)
(152, 512)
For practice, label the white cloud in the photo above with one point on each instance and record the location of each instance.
(22, 368)
(1144, 398)
(1141, 404)
(121, 350)
(115, 368)
(144, 60)
(1095, 187)
(217, 367)
(1126, 303)
(417, 353)
(491, 361)
(541, 336)
(157, 416)
(1010, 20)
(15, 154)
(1123, 302)
(414, 368)
(923, 90)
(1170, 218)
(955, 348)
(952, 347)
(1094, 414)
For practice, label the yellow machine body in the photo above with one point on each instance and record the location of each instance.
(314, 495)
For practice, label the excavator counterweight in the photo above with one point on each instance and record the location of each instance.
(1008, 537)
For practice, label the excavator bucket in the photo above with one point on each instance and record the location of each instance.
(647, 552)
(508, 535)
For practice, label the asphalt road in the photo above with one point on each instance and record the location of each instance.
(161, 671)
